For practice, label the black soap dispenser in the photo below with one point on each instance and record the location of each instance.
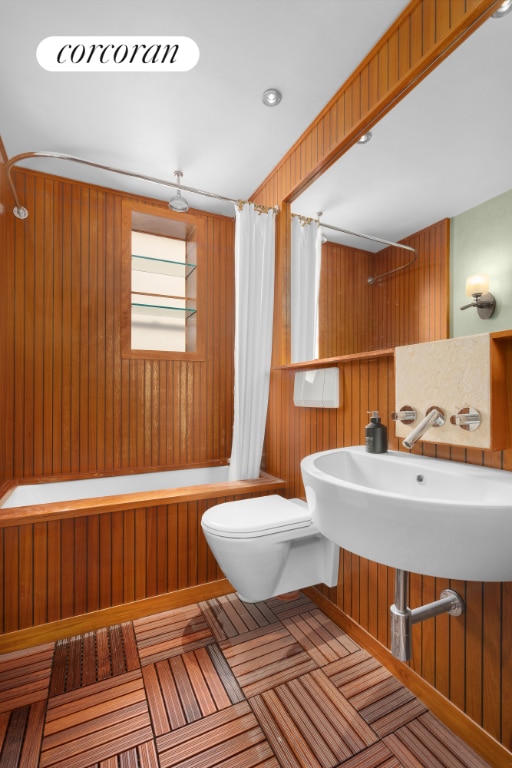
(376, 435)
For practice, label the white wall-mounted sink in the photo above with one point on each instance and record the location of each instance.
(429, 516)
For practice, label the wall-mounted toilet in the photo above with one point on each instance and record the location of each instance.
(268, 545)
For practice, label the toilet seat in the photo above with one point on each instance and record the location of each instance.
(260, 516)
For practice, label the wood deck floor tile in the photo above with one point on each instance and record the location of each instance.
(290, 605)
(25, 676)
(323, 640)
(171, 633)
(404, 754)
(443, 742)
(187, 688)
(377, 692)
(351, 667)
(229, 737)
(420, 746)
(261, 660)
(85, 659)
(367, 678)
(90, 725)
(396, 717)
(254, 639)
(309, 724)
(386, 705)
(228, 616)
(357, 733)
(382, 704)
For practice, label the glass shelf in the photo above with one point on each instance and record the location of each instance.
(154, 310)
(162, 266)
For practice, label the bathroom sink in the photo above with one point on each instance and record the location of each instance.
(430, 516)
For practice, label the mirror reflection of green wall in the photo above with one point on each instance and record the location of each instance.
(481, 242)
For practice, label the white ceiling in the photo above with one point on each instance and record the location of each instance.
(209, 122)
(442, 150)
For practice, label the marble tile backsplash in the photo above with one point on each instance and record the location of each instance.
(451, 374)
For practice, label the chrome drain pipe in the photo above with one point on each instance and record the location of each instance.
(403, 618)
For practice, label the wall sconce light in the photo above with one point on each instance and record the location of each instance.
(477, 286)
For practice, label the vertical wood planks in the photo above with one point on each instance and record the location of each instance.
(69, 567)
(73, 404)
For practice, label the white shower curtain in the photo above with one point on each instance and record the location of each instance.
(254, 282)
(305, 286)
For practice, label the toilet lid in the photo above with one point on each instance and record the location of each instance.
(256, 517)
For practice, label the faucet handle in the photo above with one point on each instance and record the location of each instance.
(467, 418)
(406, 415)
(441, 415)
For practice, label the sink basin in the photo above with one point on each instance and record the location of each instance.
(429, 516)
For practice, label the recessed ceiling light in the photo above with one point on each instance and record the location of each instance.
(503, 10)
(366, 137)
(271, 97)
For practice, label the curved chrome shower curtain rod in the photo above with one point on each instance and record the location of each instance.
(375, 279)
(21, 213)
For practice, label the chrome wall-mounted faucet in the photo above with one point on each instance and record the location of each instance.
(434, 417)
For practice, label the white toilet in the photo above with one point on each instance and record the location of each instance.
(268, 545)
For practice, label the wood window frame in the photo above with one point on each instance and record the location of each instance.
(158, 219)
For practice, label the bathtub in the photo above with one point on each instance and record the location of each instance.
(24, 495)
(129, 490)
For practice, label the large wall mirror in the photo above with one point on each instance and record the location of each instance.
(442, 153)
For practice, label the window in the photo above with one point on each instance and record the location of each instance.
(163, 293)
(161, 278)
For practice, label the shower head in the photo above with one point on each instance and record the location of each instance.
(178, 203)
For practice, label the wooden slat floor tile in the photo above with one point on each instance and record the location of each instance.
(220, 684)
(91, 724)
(25, 676)
(428, 741)
(171, 633)
(351, 668)
(290, 605)
(265, 658)
(86, 659)
(320, 637)
(186, 688)
(228, 616)
(309, 724)
(228, 738)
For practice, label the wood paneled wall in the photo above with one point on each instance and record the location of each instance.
(54, 570)
(407, 308)
(72, 404)
(467, 660)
